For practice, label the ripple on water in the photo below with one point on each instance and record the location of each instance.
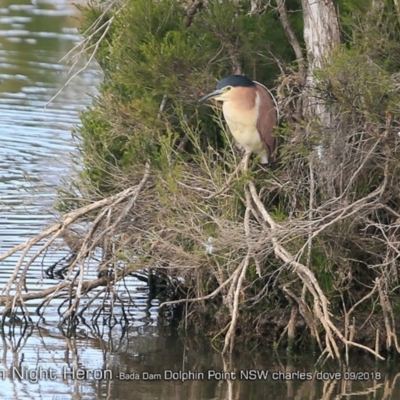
(36, 144)
(35, 154)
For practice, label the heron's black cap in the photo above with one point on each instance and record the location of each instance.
(235, 81)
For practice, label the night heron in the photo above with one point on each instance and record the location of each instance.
(250, 110)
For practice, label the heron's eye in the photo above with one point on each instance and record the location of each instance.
(228, 88)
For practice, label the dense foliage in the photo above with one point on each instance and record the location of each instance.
(152, 51)
(335, 194)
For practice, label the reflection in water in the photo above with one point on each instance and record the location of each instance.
(130, 360)
(156, 365)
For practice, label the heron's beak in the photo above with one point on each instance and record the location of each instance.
(216, 93)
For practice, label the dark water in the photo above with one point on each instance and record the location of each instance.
(141, 359)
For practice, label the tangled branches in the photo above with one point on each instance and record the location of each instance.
(276, 238)
(327, 256)
(312, 253)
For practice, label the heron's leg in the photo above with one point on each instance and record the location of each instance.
(245, 161)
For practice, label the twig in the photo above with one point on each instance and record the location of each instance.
(84, 44)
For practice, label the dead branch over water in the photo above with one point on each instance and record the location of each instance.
(81, 248)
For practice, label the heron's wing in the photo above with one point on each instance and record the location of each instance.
(267, 120)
